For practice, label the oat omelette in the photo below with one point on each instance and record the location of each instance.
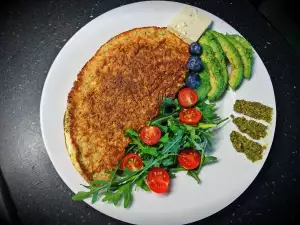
(121, 87)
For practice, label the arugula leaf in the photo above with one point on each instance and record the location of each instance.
(149, 151)
(131, 133)
(174, 144)
(130, 148)
(162, 127)
(142, 184)
(127, 196)
(211, 125)
(206, 125)
(124, 191)
(194, 175)
(177, 169)
(209, 159)
(113, 197)
(168, 161)
(200, 146)
(148, 163)
(165, 138)
(128, 172)
(112, 175)
(95, 197)
(169, 105)
(81, 195)
(174, 125)
(163, 118)
(99, 182)
(205, 135)
(208, 112)
(223, 120)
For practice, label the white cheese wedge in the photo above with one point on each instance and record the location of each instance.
(189, 24)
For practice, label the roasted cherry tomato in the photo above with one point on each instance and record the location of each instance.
(150, 135)
(190, 116)
(187, 97)
(189, 159)
(158, 180)
(132, 162)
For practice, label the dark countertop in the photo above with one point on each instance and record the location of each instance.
(31, 35)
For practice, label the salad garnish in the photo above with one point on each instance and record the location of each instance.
(165, 146)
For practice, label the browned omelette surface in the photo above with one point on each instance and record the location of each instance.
(121, 87)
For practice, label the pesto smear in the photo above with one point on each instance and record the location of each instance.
(254, 129)
(251, 149)
(255, 110)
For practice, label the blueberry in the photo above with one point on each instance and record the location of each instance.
(195, 48)
(194, 64)
(192, 80)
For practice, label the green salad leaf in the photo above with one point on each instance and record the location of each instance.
(169, 105)
(194, 175)
(208, 112)
(209, 160)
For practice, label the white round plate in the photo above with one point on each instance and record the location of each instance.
(222, 182)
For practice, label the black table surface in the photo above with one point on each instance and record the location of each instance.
(31, 35)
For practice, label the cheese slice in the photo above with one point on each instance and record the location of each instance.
(189, 24)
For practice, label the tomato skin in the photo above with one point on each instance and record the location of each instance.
(150, 135)
(189, 159)
(190, 116)
(132, 162)
(187, 97)
(158, 180)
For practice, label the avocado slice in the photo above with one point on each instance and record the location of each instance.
(232, 54)
(242, 40)
(204, 86)
(245, 55)
(209, 39)
(212, 65)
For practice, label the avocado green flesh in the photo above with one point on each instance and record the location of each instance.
(209, 39)
(213, 67)
(244, 53)
(232, 54)
(241, 40)
(251, 149)
(204, 87)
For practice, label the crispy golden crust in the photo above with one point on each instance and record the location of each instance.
(121, 87)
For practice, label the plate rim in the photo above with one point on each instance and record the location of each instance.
(58, 57)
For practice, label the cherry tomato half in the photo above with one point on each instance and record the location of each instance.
(190, 116)
(132, 162)
(150, 135)
(189, 159)
(158, 180)
(187, 97)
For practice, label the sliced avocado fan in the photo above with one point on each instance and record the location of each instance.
(212, 65)
(242, 40)
(209, 39)
(204, 86)
(245, 56)
(232, 54)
